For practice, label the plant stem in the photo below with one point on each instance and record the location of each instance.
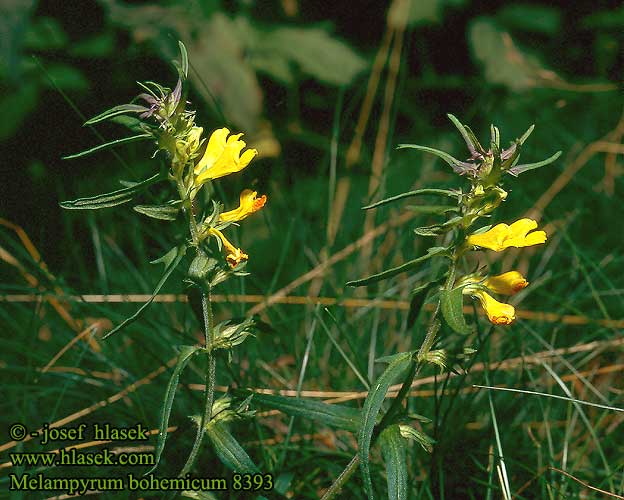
(209, 388)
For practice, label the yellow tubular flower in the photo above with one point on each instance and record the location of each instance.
(222, 156)
(503, 236)
(508, 283)
(498, 312)
(234, 255)
(249, 203)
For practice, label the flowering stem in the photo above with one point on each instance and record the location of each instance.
(210, 382)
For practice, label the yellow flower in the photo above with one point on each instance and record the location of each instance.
(498, 312)
(234, 255)
(508, 283)
(222, 157)
(503, 236)
(249, 203)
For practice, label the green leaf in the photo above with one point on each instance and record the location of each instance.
(469, 137)
(162, 212)
(431, 209)
(384, 275)
(452, 306)
(110, 144)
(183, 60)
(460, 167)
(531, 18)
(518, 169)
(186, 353)
(372, 406)
(44, 33)
(122, 109)
(228, 449)
(15, 107)
(333, 415)
(110, 199)
(171, 261)
(394, 452)
(418, 192)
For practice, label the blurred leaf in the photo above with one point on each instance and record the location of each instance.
(608, 19)
(228, 449)
(14, 21)
(371, 408)
(110, 199)
(452, 306)
(503, 62)
(186, 353)
(102, 45)
(15, 107)
(333, 415)
(394, 453)
(532, 18)
(45, 33)
(316, 52)
(65, 77)
(414, 12)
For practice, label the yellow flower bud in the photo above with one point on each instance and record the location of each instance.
(508, 283)
(499, 313)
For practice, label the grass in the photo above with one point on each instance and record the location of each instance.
(321, 339)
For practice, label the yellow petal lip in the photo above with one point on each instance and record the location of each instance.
(498, 313)
(249, 203)
(503, 236)
(222, 156)
(508, 283)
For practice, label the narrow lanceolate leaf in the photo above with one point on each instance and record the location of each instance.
(474, 148)
(460, 167)
(384, 275)
(173, 258)
(394, 453)
(372, 406)
(162, 212)
(112, 199)
(518, 169)
(116, 111)
(441, 192)
(116, 142)
(186, 353)
(183, 60)
(333, 415)
(452, 306)
(228, 449)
